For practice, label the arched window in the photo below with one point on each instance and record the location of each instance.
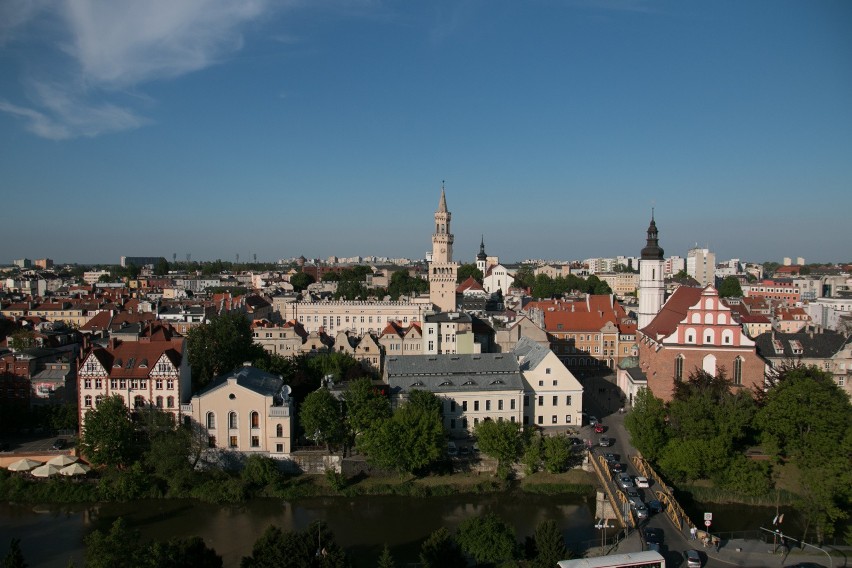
(696, 318)
(255, 419)
(722, 319)
(170, 402)
(690, 335)
(738, 371)
(138, 401)
(727, 337)
(709, 365)
(232, 420)
(708, 319)
(708, 303)
(678, 374)
(211, 420)
(98, 399)
(159, 402)
(279, 431)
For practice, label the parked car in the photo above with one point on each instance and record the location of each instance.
(593, 420)
(452, 449)
(576, 441)
(641, 481)
(58, 444)
(605, 442)
(599, 428)
(653, 534)
(625, 481)
(693, 560)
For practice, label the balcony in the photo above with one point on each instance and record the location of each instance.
(279, 411)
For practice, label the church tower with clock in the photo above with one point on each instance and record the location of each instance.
(442, 270)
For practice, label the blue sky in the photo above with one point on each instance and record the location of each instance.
(325, 127)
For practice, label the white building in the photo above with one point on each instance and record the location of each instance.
(701, 265)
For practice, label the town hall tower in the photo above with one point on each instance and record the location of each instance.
(442, 270)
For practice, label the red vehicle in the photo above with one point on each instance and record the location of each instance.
(599, 428)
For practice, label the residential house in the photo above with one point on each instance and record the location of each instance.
(829, 351)
(553, 397)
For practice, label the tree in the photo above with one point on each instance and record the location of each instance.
(161, 268)
(413, 438)
(321, 417)
(487, 539)
(647, 424)
(219, 346)
(386, 560)
(467, 270)
(365, 407)
(549, 544)
(730, 288)
(807, 419)
(350, 290)
(441, 551)
(23, 339)
(118, 548)
(557, 451)
(301, 280)
(14, 558)
(501, 440)
(403, 284)
(108, 433)
(178, 552)
(524, 277)
(313, 547)
(133, 271)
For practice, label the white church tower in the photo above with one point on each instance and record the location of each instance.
(651, 282)
(482, 258)
(443, 272)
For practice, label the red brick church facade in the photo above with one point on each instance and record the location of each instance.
(695, 330)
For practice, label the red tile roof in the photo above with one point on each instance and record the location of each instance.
(673, 312)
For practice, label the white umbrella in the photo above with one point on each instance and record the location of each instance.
(75, 469)
(25, 464)
(62, 460)
(45, 470)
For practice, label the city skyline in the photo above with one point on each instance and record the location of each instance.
(282, 129)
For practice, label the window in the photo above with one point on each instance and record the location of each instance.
(211, 441)
(170, 402)
(158, 384)
(554, 383)
(159, 402)
(87, 401)
(500, 404)
(452, 423)
(555, 401)
(512, 418)
(678, 374)
(452, 406)
(541, 383)
(511, 404)
(464, 405)
(211, 420)
(567, 419)
(232, 420)
(113, 384)
(547, 371)
(540, 420)
(98, 399)
(475, 405)
(255, 420)
(279, 430)
(279, 448)
(170, 384)
(255, 441)
(99, 384)
(487, 405)
(738, 371)
(541, 401)
(553, 419)
(568, 400)
(526, 400)
(233, 442)
(87, 384)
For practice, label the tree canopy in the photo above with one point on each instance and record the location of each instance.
(730, 288)
(467, 270)
(108, 436)
(301, 280)
(313, 547)
(501, 440)
(220, 346)
(487, 539)
(321, 417)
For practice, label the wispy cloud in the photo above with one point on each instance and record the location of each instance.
(113, 45)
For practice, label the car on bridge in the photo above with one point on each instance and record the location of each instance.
(625, 481)
(655, 535)
(693, 560)
(641, 481)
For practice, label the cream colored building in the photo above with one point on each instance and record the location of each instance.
(449, 332)
(529, 386)
(284, 339)
(621, 283)
(246, 410)
(397, 339)
(497, 277)
(507, 337)
(553, 397)
(357, 317)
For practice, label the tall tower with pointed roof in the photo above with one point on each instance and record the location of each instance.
(482, 258)
(651, 281)
(442, 270)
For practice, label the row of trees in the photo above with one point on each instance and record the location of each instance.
(543, 286)
(803, 421)
(486, 540)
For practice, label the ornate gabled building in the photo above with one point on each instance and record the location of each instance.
(442, 270)
(152, 371)
(695, 330)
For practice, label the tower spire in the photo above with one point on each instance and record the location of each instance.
(442, 205)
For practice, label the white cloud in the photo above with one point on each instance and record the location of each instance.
(113, 45)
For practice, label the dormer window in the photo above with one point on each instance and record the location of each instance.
(417, 384)
(469, 384)
(497, 382)
(446, 384)
(117, 364)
